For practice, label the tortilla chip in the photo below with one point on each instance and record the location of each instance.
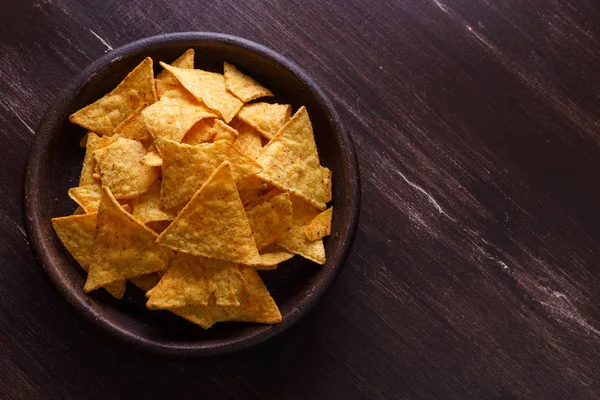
(165, 80)
(88, 197)
(242, 86)
(104, 115)
(249, 140)
(320, 226)
(256, 305)
(152, 159)
(78, 211)
(201, 132)
(185, 168)
(121, 169)
(251, 188)
(146, 282)
(174, 114)
(191, 280)
(273, 257)
(265, 117)
(270, 220)
(290, 161)
(213, 224)
(222, 131)
(134, 127)
(93, 143)
(124, 247)
(77, 233)
(158, 226)
(295, 240)
(83, 141)
(209, 88)
(146, 208)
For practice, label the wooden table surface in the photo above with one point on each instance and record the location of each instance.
(475, 269)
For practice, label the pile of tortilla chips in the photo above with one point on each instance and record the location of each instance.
(190, 185)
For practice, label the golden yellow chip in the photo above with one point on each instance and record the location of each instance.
(121, 169)
(295, 240)
(88, 197)
(270, 220)
(242, 86)
(134, 126)
(265, 118)
(146, 207)
(208, 87)
(192, 280)
(290, 161)
(93, 143)
(222, 131)
(165, 80)
(146, 282)
(124, 247)
(77, 233)
(320, 226)
(256, 305)
(251, 188)
(213, 224)
(185, 168)
(249, 140)
(152, 159)
(78, 211)
(174, 114)
(104, 115)
(201, 132)
(274, 258)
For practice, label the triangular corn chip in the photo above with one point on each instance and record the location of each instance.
(124, 248)
(214, 224)
(270, 220)
(256, 305)
(320, 226)
(104, 115)
(77, 233)
(88, 197)
(208, 87)
(242, 86)
(146, 282)
(152, 159)
(121, 169)
(273, 255)
(165, 80)
(185, 168)
(290, 161)
(191, 280)
(174, 114)
(93, 143)
(201, 132)
(222, 131)
(265, 117)
(78, 211)
(146, 208)
(251, 188)
(249, 140)
(295, 240)
(134, 126)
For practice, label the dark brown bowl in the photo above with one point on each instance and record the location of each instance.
(54, 164)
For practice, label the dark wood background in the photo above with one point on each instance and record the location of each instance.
(475, 270)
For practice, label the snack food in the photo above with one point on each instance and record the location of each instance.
(178, 194)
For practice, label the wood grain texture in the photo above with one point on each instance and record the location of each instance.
(474, 272)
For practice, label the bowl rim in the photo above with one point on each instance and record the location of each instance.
(36, 225)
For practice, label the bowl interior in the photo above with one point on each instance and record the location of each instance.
(55, 165)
